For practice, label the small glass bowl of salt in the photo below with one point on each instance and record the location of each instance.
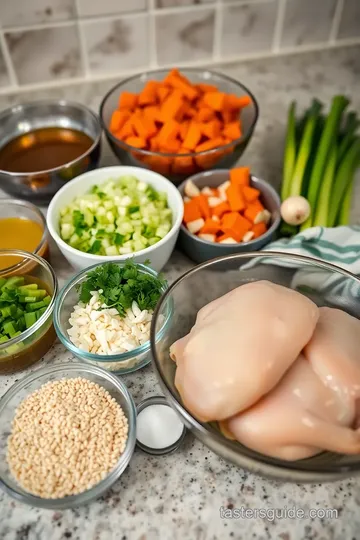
(159, 430)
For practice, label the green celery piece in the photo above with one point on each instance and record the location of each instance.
(10, 328)
(38, 294)
(47, 300)
(2, 282)
(30, 319)
(13, 282)
(8, 311)
(343, 217)
(24, 289)
(27, 299)
(40, 312)
(321, 211)
(3, 339)
(328, 139)
(344, 176)
(13, 349)
(33, 306)
(304, 151)
(21, 323)
(290, 152)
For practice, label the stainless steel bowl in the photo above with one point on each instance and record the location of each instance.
(41, 185)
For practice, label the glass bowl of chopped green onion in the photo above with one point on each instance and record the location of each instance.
(103, 315)
(28, 287)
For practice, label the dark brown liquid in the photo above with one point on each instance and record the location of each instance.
(43, 149)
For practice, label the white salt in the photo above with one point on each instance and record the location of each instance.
(158, 426)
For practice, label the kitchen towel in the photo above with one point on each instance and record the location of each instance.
(339, 246)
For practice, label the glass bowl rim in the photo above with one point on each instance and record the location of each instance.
(299, 469)
(29, 331)
(105, 358)
(62, 103)
(123, 461)
(27, 204)
(227, 146)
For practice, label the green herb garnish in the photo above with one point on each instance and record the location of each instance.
(121, 285)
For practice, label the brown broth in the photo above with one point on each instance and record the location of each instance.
(43, 149)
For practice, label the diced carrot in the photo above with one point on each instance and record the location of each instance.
(232, 130)
(250, 193)
(214, 100)
(127, 130)
(148, 95)
(154, 144)
(252, 210)
(118, 119)
(153, 112)
(204, 87)
(138, 142)
(176, 80)
(184, 127)
(193, 136)
(162, 93)
(259, 229)
(220, 209)
(182, 164)
(204, 114)
(172, 105)
(171, 146)
(202, 202)
(223, 237)
(235, 225)
(235, 102)
(168, 131)
(211, 129)
(229, 115)
(144, 126)
(160, 164)
(240, 176)
(191, 211)
(236, 200)
(210, 227)
(209, 145)
(127, 100)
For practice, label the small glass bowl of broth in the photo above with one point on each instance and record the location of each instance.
(28, 286)
(22, 226)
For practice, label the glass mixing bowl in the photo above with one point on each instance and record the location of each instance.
(29, 384)
(325, 284)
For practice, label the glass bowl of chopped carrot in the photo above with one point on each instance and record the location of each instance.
(179, 123)
(227, 211)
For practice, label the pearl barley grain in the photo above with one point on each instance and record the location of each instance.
(65, 438)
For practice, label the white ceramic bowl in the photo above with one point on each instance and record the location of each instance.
(158, 254)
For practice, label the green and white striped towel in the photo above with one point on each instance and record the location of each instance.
(338, 245)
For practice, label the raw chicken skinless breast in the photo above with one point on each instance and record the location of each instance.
(240, 347)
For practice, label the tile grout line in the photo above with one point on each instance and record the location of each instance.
(336, 21)
(8, 61)
(218, 25)
(286, 51)
(81, 37)
(279, 25)
(151, 10)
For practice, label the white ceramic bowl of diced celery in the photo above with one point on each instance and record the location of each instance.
(115, 219)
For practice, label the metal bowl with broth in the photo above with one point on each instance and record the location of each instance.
(44, 144)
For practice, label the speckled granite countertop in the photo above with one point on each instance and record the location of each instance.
(179, 496)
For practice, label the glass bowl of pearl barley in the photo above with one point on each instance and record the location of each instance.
(68, 433)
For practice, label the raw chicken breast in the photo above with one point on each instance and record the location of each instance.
(334, 352)
(240, 346)
(300, 417)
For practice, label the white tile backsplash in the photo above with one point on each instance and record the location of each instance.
(53, 40)
(307, 22)
(26, 12)
(90, 8)
(117, 44)
(46, 54)
(248, 28)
